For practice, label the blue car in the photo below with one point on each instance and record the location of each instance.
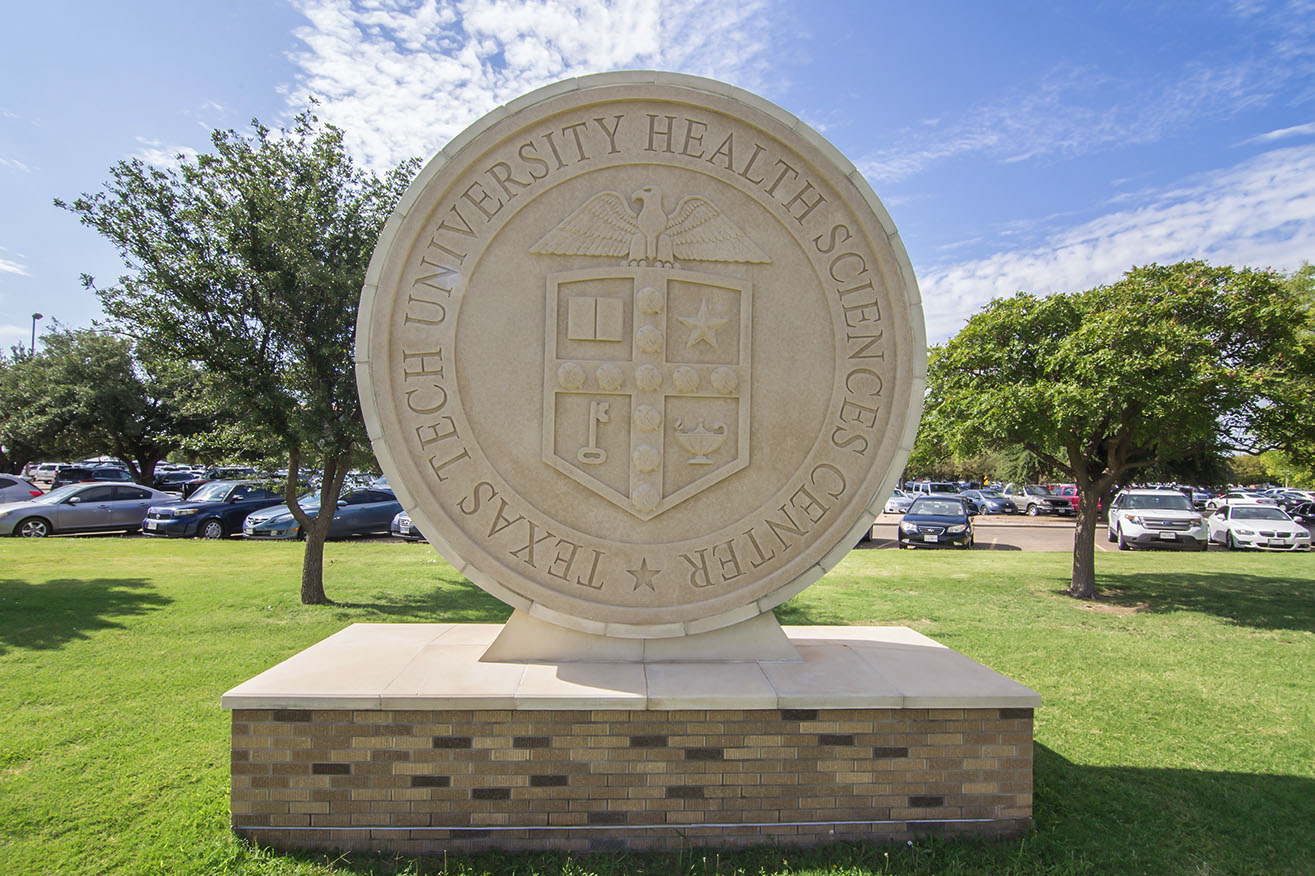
(360, 512)
(937, 521)
(215, 510)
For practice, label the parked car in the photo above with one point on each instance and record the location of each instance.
(217, 473)
(1067, 491)
(898, 502)
(1265, 527)
(931, 488)
(360, 512)
(988, 502)
(933, 521)
(16, 489)
(214, 511)
(402, 527)
(171, 481)
(92, 507)
(46, 471)
(76, 474)
(1239, 497)
(1034, 499)
(1156, 518)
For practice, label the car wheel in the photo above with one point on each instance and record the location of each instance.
(1033, 510)
(1228, 541)
(1109, 534)
(33, 527)
(211, 529)
(1123, 543)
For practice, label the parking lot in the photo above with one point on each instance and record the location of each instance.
(1007, 533)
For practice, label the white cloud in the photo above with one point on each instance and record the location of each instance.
(1282, 134)
(1260, 213)
(1073, 111)
(153, 153)
(14, 164)
(8, 267)
(402, 77)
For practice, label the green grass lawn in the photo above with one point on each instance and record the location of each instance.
(1177, 735)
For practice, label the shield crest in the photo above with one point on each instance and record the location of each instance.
(646, 382)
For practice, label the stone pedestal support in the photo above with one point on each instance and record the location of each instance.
(400, 738)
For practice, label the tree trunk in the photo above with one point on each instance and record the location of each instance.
(1083, 585)
(316, 528)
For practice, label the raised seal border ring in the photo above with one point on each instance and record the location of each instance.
(372, 364)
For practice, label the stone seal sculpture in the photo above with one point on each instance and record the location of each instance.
(641, 355)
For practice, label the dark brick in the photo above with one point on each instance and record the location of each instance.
(685, 792)
(835, 739)
(1015, 713)
(330, 769)
(531, 742)
(300, 716)
(926, 802)
(431, 781)
(607, 818)
(799, 714)
(452, 742)
(705, 754)
(384, 755)
(547, 781)
(648, 742)
(490, 793)
(890, 751)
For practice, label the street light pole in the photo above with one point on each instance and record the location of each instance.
(35, 317)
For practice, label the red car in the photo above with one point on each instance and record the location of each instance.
(1068, 491)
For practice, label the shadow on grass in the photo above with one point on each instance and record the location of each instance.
(455, 600)
(1263, 601)
(50, 614)
(1089, 820)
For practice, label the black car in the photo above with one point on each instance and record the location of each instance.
(77, 474)
(171, 481)
(935, 521)
(215, 510)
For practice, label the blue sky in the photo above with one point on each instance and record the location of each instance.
(1018, 146)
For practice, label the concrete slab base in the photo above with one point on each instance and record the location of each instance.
(401, 738)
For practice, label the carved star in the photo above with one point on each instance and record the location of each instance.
(703, 326)
(644, 575)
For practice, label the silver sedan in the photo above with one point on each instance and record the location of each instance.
(90, 507)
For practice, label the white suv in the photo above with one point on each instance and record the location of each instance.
(1161, 518)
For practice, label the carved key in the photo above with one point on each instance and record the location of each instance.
(593, 454)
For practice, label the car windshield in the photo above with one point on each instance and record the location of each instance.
(1259, 512)
(944, 507)
(211, 493)
(1177, 502)
(56, 496)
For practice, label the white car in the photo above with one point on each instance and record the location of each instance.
(1236, 497)
(898, 503)
(1156, 518)
(1257, 526)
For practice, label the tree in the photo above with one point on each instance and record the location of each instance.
(88, 393)
(1169, 362)
(250, 260)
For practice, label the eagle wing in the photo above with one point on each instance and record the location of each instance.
(603, 226)
(699, 232)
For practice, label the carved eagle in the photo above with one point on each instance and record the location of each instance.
(605, 225)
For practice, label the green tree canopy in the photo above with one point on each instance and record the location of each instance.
(250, 260)
(90, 393)
(1169, 362)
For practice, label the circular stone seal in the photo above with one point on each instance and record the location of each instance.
(641, 353)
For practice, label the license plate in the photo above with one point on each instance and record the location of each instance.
(151, 524)
(1169, 535)
(931, 538)
(405, 530)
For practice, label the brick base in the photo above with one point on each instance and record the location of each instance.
(425, 782)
